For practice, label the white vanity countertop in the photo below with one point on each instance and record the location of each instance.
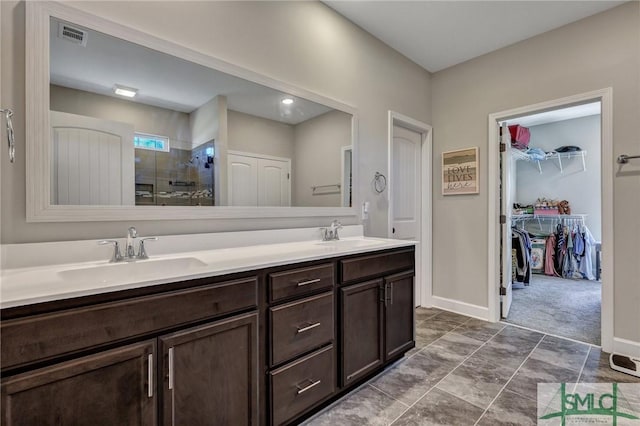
(36, 284)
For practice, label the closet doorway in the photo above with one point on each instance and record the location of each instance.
(552, 175)
(555, 221)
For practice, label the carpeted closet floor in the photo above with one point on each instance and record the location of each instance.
(567, 308)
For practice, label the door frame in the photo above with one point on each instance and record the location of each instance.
(346, 187)
(605, 96)
(396, 119)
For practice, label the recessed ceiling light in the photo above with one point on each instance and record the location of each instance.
(287, 101)
(128, 92)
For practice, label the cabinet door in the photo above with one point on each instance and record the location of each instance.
(114, 387)
(399, 311)
(210, 373)
(362, 319)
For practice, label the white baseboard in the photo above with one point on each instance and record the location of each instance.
(462, 308)
(626, 347)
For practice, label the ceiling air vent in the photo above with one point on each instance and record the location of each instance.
(72, 34)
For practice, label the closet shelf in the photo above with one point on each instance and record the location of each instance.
(565, 219)
(547, 216)
(558, 156)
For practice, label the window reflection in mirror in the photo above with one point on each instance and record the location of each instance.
(134, 126)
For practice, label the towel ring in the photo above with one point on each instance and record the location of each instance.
(379, 182)
(10, 137)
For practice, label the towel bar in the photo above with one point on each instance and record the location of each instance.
(624, 159)
(10, 137)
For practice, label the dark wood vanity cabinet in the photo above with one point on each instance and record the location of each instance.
(399, 309)
(204, 374)
(113, 387)
(265, 347)
(362, 333)
(301, 341)
(377, 315)
(210, 373)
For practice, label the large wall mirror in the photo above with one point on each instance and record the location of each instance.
(133, 127)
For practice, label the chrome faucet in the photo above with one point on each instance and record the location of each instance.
(132, 234)
(331, 233)
(130, 251)
(116, 256)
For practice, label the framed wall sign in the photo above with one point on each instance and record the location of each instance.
(460, 172)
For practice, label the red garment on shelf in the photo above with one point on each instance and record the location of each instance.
(519, 136)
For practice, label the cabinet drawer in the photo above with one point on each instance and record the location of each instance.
(301, 326)
(376, 264)
(301, 384)
(298, 282)
(25, 340)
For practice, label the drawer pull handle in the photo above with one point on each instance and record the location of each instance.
(171, 378)
(309, 327)
(303, 283)
(150, 375)
(306, 388)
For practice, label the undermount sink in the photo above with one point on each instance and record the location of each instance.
(348, 244)
(132, 271)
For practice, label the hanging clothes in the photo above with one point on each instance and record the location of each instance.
(573, 254)
(560, 248)
(549, 256)
(578, 243)
(586, 264)
(521, 242)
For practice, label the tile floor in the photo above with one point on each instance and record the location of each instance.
(464, 371)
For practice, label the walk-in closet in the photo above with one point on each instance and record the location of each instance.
(554, 191)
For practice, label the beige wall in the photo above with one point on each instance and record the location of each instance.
(145, 118)
(303, 43)
(209, 123)
(318, 157)
(248, 133)
(597, 52)
(579, 187)
(204, 122)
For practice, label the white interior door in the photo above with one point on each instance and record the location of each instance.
(255, 180)
(406, 192)
(243, 180)
(347, 175)
(506, 291)
(274, 177)
(93, 161)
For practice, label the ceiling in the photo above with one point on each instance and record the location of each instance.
(163, 80)
(440, 34)
(434, 34)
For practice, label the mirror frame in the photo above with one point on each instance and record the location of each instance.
(38, 133)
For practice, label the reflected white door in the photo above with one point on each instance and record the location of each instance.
(93, 161)
(273, 182)
(406, 192)
(506, 291)
(243, 180)
(255, 180)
